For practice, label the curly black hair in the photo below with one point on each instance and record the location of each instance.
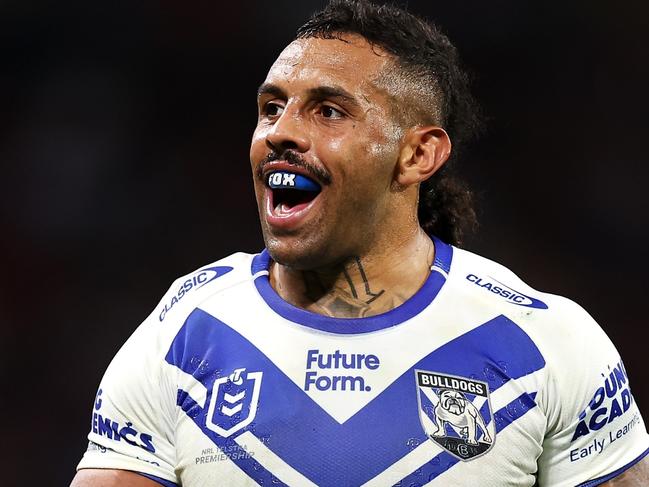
(426, 61)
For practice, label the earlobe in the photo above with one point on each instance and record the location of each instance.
(423, 153)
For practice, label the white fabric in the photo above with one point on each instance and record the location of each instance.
(560, 441)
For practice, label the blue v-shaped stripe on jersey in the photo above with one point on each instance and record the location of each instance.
(304, 435)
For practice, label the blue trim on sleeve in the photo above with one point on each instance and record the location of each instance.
(163, 482)
(612, 475)
(412, 307)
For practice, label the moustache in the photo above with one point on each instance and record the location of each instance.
(294, 159)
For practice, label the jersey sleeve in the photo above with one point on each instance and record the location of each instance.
(132, 425)
(595, 430)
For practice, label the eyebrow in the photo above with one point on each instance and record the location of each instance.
(270, 89)
(317, 93)
(324, 92)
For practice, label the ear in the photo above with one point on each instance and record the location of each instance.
(424, 151)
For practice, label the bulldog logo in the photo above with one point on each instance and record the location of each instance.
(455, 413)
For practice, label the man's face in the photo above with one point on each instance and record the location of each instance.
(323, 120)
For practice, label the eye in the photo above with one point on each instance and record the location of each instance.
(272, 109)
(330, 112)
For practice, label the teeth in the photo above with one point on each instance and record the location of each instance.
(283, 209)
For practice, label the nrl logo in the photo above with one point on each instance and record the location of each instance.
(455, 413)
(234, 400)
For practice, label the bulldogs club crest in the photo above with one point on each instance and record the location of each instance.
(233, 404)
(455, 413)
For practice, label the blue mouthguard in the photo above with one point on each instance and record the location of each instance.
(290, 180)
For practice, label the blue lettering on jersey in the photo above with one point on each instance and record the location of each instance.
(113, 430)
(300, 432)
(196, 281)
(598, 445)
(500, 289)
(338, 360)
(610, 401)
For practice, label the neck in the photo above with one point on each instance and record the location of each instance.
(360, 286)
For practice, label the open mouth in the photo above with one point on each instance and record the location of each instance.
(291, 191)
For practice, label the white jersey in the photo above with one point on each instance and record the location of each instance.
(477, 379)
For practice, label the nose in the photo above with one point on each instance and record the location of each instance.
(288, 132)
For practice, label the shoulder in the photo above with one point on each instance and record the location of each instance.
(188, 291)
(574, 348)
(550, 319)
(150, 340)
(576, 352)
(138, 379)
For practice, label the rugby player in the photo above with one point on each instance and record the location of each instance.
(363, 346)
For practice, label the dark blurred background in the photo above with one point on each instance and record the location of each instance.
(124, 163)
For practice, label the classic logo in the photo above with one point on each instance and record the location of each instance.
(233, 404)
(455, 413)
(506, 292)
(196, 281)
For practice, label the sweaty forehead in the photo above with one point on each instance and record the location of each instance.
(350, 60)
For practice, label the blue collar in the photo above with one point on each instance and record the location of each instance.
(412, 307)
